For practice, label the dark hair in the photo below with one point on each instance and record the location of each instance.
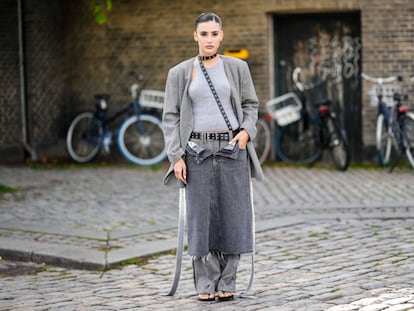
(207, 17)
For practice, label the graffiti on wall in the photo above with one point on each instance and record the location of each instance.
(336, 57)
(328, 59)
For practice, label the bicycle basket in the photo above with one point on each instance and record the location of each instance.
(388, 92)
(285, 109)
(152, 99)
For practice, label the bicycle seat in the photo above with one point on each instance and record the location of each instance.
(400, 97)
(322, 102)
(105, 97)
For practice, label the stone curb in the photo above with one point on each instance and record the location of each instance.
(93, 259)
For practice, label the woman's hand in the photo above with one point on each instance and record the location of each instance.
(242, 137)
(180, 170)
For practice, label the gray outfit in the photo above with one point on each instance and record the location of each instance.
(178, 116)
(219, 210)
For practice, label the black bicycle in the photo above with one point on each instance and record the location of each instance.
(140, 137)
(304, 128)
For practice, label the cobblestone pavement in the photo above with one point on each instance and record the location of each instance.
(326, 240)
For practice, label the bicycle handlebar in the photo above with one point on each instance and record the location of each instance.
(134, 90)
(299, 85)
(295, 77)
(381, 80)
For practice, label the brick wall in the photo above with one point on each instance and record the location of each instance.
(150, 36)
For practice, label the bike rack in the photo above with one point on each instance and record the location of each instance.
(387, 92)
(285, 109)
(152, 99)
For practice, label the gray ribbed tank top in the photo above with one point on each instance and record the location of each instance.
(206, 114)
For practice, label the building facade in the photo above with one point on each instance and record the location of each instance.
(66, 57)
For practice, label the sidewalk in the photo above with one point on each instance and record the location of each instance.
(326, 240)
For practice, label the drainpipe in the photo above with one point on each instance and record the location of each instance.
(22, 83)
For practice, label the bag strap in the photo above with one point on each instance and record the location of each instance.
(180, 242)
(213, 90)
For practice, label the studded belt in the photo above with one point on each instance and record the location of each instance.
(213, 135)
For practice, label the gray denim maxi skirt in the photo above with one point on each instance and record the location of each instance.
(219, 207)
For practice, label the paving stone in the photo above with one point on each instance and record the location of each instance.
(327, 241)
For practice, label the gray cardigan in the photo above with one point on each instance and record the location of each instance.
(177, 116)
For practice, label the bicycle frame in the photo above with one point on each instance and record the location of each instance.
(394, 123)
(324, 107)
(139, 135)
(100, 116)
(323, 132)
(389, 113)
(324, 113)
(302, 134)
(400, 136)
(102, 107)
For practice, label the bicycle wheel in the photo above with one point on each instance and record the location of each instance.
(83, 136)
(262, 141)
(141, 140)
(384, 141)
(299, 142)
(409, 137)
(338, 145)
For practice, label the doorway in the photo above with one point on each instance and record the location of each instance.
(327, 48)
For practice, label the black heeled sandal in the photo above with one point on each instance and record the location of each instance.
(225, 298)
(208, 298)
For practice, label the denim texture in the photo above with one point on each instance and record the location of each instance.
(215, 272)
(219, 211)
(178, 120)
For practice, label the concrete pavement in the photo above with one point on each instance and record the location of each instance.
(326, 240)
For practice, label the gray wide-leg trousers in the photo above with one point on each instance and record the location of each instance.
(219, 213)
(215, 272)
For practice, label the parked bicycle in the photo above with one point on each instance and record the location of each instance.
(395, 124)
(139, 136)
(304, 128)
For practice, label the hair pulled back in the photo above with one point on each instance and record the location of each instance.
(207, 17)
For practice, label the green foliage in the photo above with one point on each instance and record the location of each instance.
(5, 189)
(100, 11)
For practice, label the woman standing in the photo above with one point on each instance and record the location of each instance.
(209, 120)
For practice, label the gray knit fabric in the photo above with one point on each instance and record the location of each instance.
(206, 114)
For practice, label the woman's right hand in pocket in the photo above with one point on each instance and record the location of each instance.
(180, 170)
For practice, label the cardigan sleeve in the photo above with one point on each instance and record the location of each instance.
(171, 118)
(249, 101)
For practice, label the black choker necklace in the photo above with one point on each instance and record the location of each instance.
(207, 57)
